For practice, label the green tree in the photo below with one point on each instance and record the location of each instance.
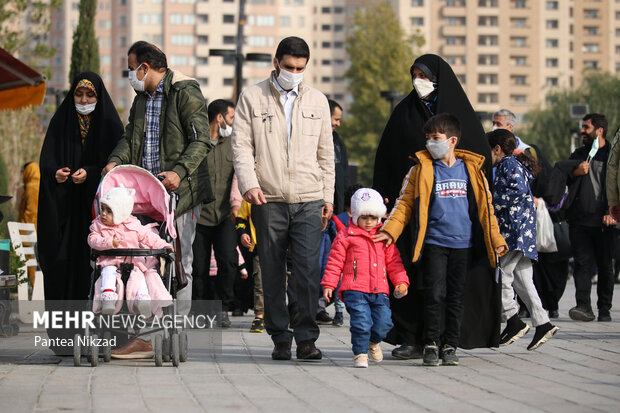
(381, 54)
(550, 126)
(85, 49)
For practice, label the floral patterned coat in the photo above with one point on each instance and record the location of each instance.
(514, 206)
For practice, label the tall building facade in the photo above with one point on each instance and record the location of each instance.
(507, 53)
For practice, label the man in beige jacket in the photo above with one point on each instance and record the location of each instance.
(283, 154)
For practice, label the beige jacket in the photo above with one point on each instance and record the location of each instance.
(300, 172)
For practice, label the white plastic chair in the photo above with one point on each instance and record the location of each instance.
(25, 234)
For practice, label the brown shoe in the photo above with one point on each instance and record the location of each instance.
(135, 349)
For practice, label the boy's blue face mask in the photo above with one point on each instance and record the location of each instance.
(437, 149)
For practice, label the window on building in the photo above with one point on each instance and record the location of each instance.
(518, 22)
(122, 20)
(456, 3)
(105, 24)
(487, 21)
(122, 41)
(285, 21)
(257, 41)
(488, 40)
(591, 30)
(590, 13)
(519, 80)
(488, 60)
(301, 21)
(176, 19)
(203, 39)
(228, 39)
(326, 79)
(455, 40)
(487, 78)
(519, 41)
(189, 19)
(182, 39)
(551, 62)
(326, 45)
(450, 59)
(326, 10)
(417, 3)
(552, 43)
(551, 81)
(519, 4)
(338, 45)
(326, 62)
(462, 78)
(265, 21)
(487, 3)
(156, 19)
(518, 99)
(105, 60)
(143, 18)
(203, 18)
(228, 18)
(552, 5)
(227, 81)
(326, 27)
(618, 50)
(176, 60)
(455, 21)
(338, 62)
(591, 47)
(487, 97)
(202, 60)
(417, 21)
(551, 24)
(338, 27)
(518, 60)
(338, 10)
(591, 64)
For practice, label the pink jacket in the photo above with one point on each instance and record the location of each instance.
(132, 235)
(363, 263)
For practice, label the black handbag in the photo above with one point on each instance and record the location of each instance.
(562, 240)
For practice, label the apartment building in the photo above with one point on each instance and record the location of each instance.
(507, 53)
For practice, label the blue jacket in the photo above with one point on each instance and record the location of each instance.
(514, 206)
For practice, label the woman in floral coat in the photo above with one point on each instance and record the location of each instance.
(516, 216)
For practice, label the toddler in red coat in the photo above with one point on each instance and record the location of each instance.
(365, 266)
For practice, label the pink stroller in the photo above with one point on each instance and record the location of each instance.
(153, 203)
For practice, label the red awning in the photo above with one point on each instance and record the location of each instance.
(20, 85)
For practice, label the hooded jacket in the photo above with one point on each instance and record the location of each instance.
(365, 265)
(416, 197)
(183, 138)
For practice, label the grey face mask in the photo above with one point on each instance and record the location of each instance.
(437, 149)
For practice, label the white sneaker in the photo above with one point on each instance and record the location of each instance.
(361, 361)
(108, 302)
(143, 305)
(375, 351)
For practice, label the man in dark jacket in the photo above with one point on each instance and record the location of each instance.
(168, 135)
(591, 227)
(340, 157)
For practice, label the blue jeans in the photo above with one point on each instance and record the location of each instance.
(371, 318)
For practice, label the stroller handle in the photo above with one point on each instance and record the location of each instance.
(134, 252)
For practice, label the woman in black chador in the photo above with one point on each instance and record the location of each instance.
(80, 137)
(436, 89)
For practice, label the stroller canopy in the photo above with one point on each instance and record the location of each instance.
(151, 198)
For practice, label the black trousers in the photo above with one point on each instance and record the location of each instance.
(593, 248)
(223, 240)
(296, 228)
(550, 278)
(444, 272)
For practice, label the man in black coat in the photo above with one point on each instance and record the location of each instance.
(340, 157)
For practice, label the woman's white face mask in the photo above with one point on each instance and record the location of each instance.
(85, 109)
(423, 87)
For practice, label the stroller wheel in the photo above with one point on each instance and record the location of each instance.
(166, 349)
(183, 346)
(94, 352)
(175, 350)
(107, 349)
(77, 351)
(157, 350)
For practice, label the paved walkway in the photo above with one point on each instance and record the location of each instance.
(577, 371)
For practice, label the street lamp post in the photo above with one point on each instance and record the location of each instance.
(240, 58)
(392, 96)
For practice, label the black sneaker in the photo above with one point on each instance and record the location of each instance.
(543, 333)
(554, 314)
(407, 352)
(281, 351)
(322, 317)
(515, 329)
(338, 319)
(604, 316)
(580, 313)
(431, 355)
(258, 326)
(448, 356)
(306, 350)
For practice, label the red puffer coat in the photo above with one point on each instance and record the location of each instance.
(363, 263)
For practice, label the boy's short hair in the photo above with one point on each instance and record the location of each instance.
(504, 138)
(443, 123)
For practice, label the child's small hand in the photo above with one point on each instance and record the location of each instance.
(400, 291)
(170, 247)
(246, 241)
(115, 241)
(383, 236)
(327, 294)
(501, 250)
(244, 274)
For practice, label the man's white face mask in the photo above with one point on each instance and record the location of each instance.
(288, 80)
(137, 85)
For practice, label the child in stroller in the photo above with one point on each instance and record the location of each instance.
(116, 227)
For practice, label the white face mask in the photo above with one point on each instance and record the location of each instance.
(423, 87)
(493, 128)
(85, 109)
(437, 149)
(137, 85)
(225, 133)
(288, 80)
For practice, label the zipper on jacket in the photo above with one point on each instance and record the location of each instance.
(194, 129)
(354, 270)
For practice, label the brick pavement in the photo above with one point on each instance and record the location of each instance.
(577, 371)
